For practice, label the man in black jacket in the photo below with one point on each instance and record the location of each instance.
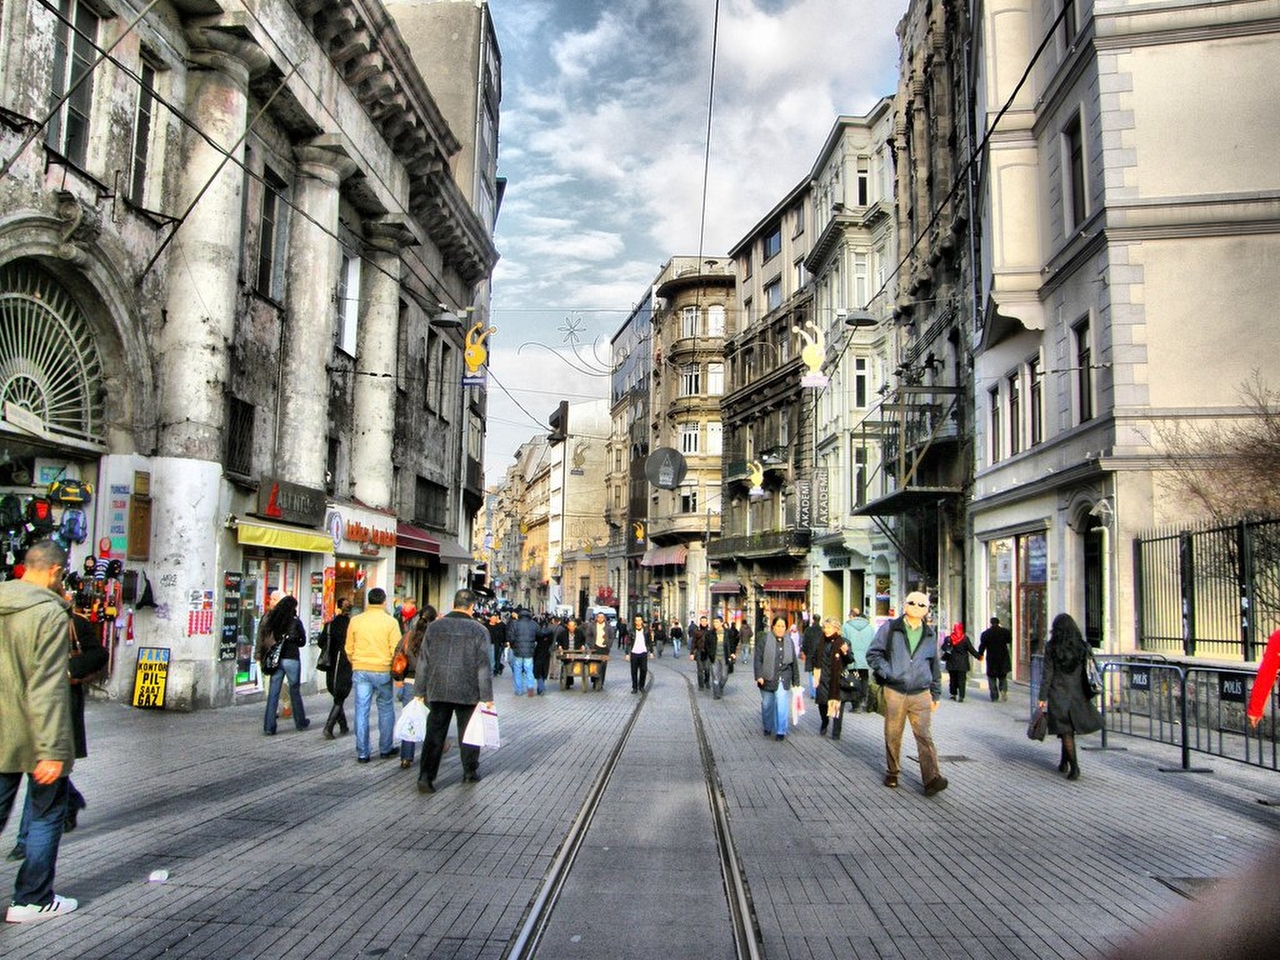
(994, 647)
(498, 638)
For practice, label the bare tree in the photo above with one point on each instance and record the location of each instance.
(1232, 468)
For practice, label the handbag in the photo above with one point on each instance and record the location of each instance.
(322, 661)
(271, 659)
(1038, 726)
(1091, 676)
(399, 665)
(875, 697)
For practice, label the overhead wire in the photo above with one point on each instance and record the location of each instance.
(961, 178)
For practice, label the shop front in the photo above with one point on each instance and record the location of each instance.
(282, 548)
(364, 544)
(1017, 575)
(418, 570)
(787, 598)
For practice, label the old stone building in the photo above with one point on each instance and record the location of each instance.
(1130, 228)
(693, 302)
(224, 258)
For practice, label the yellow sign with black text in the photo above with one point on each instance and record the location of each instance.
(150, 677)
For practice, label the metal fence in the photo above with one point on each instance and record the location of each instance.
(1198, 709)
(1208, 591)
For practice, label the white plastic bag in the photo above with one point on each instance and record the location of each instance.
(412, 725)
(797, 705)
(482, 728)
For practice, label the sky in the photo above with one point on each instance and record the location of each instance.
(603, 140)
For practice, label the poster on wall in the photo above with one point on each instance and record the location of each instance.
(316, 609)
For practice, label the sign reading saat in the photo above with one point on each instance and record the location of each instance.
(150, 677)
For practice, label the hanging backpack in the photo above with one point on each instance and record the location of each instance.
(39, 515)
(11, 519)
(70, 490)
(75, 525)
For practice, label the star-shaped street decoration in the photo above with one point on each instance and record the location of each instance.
(572, 328)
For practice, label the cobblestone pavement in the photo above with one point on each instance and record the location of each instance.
(284, 847)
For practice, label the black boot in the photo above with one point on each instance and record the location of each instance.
(342, 720)
(1069, 744)
(836, 724)
(822, 730)
(334, 712)
(1062, 761)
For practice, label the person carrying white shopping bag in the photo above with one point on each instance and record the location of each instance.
(482, 729)
(454, 676)
(412, 725)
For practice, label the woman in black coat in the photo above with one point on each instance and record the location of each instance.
(542, 657)
(337, 679)
(1062, 694)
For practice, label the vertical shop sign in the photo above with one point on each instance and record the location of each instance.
(231, 581)
(150, 677)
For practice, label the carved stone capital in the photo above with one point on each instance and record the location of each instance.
(326, 158)
(389, 234)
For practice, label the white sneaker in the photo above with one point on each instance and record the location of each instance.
(28, 912)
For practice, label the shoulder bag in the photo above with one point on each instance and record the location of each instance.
(400, 661)
(1090, 676)
(1038, 726)
(271, 656)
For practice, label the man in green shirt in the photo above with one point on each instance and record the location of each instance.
(904, 659)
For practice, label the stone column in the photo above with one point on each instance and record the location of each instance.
(193, 368)
(376, 345)
(311, 314)
(193, 360)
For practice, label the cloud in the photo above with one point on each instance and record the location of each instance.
(603, 135)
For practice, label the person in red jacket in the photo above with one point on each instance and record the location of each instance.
(1265, 680)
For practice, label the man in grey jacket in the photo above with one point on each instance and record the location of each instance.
(35, 720)
(455, 674)
(904, 659)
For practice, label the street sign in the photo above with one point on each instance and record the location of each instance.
(150, 677)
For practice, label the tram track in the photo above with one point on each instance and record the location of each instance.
(745, 930)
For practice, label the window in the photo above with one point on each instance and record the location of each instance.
(797, 273)
(348, 302)
(1084, 371)
(142, 133)
(689, 322)
(430, 503)
(799, 220)
(1015, 414)
(1069, 25)
(689, 498)
(715, 438)
(858, 476)
(864, 181)
(715, 320)
(773, 296)
(772, 243)
(73, 54)
(860, 382)
(1035, 401)
(690, 380)
(860, 292)
(993, 409)
(331, 466)
(715, 379)
(270, 236)
(1075, 209)
(689, 436)
(239, 438)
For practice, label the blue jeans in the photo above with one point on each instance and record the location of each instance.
(366, 683)
(407, 693)
(522, 674)
(293, 670)
(775, 710)
(75, 801)
(34, 883)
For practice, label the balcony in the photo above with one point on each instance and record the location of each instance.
(770, 543)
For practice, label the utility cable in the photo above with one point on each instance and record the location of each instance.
(960, 179)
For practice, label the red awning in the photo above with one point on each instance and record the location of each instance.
(409, 537)
(786, 586)
(726, 586)
(665, 556)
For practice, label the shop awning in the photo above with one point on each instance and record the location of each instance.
(409, 537)
(786, 586)
(726, 586)
(261, 534)
(665, 556)
(905, 500)
(451, 551)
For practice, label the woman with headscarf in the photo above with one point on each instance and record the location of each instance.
(406, 689)
(1062, 690)
(282, 626)
(777, 670)
(956, 650)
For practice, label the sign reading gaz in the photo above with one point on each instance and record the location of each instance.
(150, 677)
